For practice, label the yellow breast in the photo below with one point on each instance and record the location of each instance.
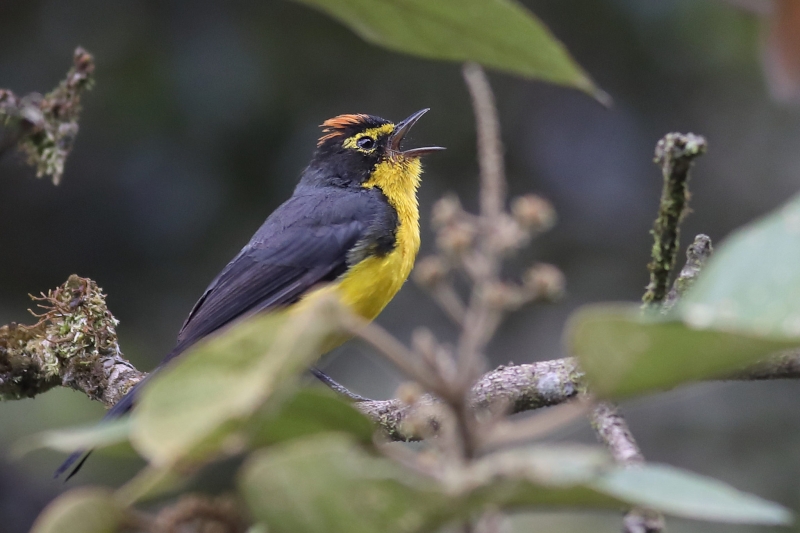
(371, 284)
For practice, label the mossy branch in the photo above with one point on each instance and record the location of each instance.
(74, 344)
(44, 128)
(675, 154)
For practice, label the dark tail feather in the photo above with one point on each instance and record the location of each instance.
(120, 409)
(70, 460)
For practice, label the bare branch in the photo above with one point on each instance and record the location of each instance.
(613, 431)
(784, 365)
(696, 256)
(517, 388)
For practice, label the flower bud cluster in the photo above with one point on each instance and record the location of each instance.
(472, 244)
(533, 213)
(542, 282)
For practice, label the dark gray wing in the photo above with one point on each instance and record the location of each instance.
(303, 243)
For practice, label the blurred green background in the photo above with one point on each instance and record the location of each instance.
(204, 113)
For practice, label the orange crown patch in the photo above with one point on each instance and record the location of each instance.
(335, 126)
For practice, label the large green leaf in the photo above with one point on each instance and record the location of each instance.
(309, 411)
(689, 495)
(624, 353)
(150, 483)
(564, 476)
(539, 476)
(328, 483)
(497, 33)
(752, 282)
(196, 407)
(83, 510)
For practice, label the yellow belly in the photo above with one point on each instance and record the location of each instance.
(367, 287)
(370, 285)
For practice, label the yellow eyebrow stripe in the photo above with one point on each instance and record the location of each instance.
(386, 129)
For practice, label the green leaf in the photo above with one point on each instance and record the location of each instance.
(83, 510)
(328, 484)
(78, 438)
(752, 282)
(197, 406)
(309, 411)
(586, 477)
(151, 483)
(688, 495)
(501, 34)
(538, 476)
(624, 353)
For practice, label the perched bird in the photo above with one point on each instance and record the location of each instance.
(352, 224)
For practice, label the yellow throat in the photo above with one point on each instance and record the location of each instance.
(368, 286)
(371, 284)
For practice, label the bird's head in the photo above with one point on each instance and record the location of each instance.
(354, 147)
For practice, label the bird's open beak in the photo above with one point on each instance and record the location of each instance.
(400, 131)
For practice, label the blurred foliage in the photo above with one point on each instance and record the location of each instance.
(82, 511)
(752, 283)
(745, 306)
(222, 381)
(624, 353)
(500, 34)
(71, 439)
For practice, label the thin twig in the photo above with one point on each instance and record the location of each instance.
(613, 431)
(480, 319)
(696, 256)
(490, 147)
(395, 351)
(447, 298)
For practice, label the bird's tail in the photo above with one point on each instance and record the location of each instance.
(122, 407)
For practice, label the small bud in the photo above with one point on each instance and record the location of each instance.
(409, 392)
(507, 234)
(501, 295)
(446, 211)
(533, 212)
(83, 60)
(545, 281)
(456, 238)
(430, 271)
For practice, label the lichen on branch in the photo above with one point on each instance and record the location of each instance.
(74, 344)
(675, 153)
(44, 128)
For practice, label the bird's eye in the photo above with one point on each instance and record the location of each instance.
(366, 143)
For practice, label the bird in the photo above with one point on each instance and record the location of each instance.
(351, 226)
